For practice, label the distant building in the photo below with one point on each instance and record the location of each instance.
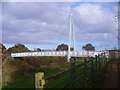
(113, 53)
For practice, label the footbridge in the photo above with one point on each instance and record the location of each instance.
(57, 53)
(69, 53)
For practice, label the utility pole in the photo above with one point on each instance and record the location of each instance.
(118, 28)
(119, 25)
(71, 37)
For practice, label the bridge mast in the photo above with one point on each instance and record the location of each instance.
(71, 37)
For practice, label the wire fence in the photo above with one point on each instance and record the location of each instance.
(76, 73)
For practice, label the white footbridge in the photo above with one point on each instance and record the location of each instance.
(56, 53)
(70, 53)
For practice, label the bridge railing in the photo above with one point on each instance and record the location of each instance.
(56, 53)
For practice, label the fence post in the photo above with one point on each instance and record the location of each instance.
(73, 59)
(85, 76)
(85, 65)
(105, 58)
(96, 61)
(118, 73)
(99, 62)
(92, 68)
(39, 80)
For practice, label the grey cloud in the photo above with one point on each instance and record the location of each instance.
(38, 23)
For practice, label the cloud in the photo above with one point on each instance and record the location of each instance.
(44, 23)
(94, 17)
(33, 21)
(94, 23)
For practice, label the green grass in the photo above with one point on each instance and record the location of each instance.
(60, 82)
(78, 62)
(99, 78)
(57, 83)
(30, 83)
(27, 83)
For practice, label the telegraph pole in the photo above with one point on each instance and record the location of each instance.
(119, 25)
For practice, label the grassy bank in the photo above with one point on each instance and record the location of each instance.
(27, 79)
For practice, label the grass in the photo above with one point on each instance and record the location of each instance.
(60, 82)
(96, 82)
(99, 78)
(27, 83)
(57, 83)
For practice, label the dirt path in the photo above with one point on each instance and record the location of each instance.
(113, 77)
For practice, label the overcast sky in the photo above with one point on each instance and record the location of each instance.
(46, 25)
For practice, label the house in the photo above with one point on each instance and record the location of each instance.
(113, 54)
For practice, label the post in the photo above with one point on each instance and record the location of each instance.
(118, 73)
(102, 61)
(85, 67)
(92, 69)
(118, 25)
(96, 61)
(104, 57)
(39, 80)
(73, 59)
(99, 63)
